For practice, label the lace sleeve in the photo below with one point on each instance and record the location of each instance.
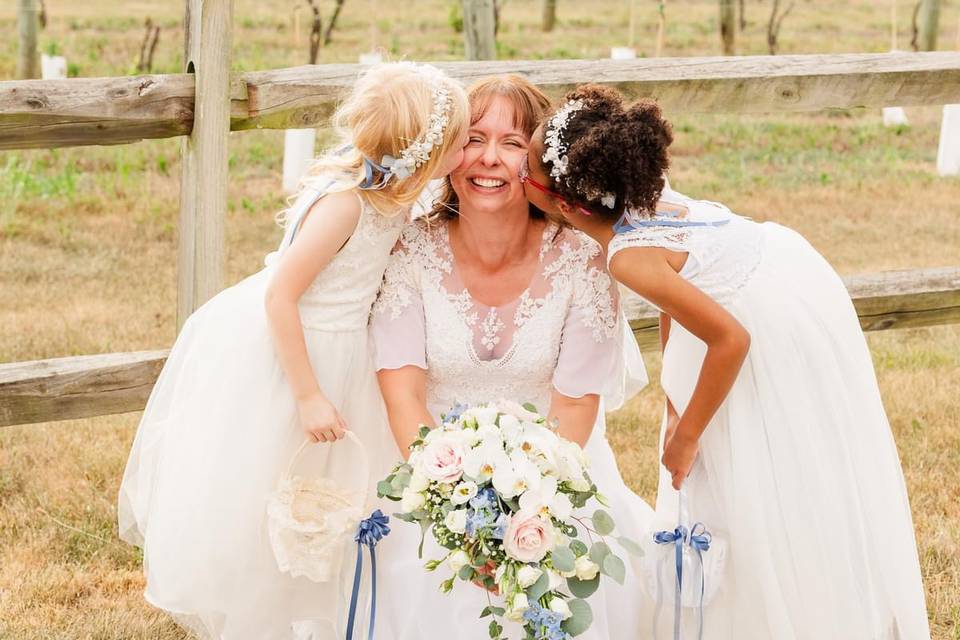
(397, 327)
(590, 345)
(672, 238)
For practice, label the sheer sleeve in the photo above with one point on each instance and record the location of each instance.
(598, 354)
(397, 324)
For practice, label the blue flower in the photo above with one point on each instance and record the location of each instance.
(485, 499)
(500, 527)
(454, 414)
(477, 520)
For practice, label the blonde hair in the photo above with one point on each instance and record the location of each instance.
(389, 107)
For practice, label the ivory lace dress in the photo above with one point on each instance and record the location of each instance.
(222, 425)
(565, 331)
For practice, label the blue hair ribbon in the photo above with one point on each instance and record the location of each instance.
(370, 531)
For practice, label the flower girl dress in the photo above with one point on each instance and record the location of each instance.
(221, 426)
(798, 466)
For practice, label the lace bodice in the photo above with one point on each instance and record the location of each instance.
(723, 248)
(340, 297)
(562, 332)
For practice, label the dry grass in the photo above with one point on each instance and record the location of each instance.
(88, 242)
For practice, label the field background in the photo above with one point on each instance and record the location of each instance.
(88, 255)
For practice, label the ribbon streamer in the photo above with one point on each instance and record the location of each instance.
(370, 531)
(698, 538)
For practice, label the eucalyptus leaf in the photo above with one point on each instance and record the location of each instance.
(563, 559)
(602, 499)
(406, 517)
(598, 552)
(583, 588)
(538, 588)
(530, 407)
(614, 567)
(385, 489)
(466, 573)
(578, 548)
(581, 619)
(602, 522)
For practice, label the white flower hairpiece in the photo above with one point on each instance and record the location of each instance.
(555, 150)
(417, 153)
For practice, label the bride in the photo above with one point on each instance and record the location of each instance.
(488, 299)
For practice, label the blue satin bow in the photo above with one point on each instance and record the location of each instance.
(369, 533)
(698, 538)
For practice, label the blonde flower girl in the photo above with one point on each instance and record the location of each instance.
(282, 354)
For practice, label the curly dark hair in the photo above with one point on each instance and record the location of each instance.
(613, 147)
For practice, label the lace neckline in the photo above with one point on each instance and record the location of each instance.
(546, 236)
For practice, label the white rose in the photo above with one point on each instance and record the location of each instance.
(556, 580)
(585, 568)
(559, 605)
(580, 484)
(411, 500)
(456, 520)
(517, 607)
(486, 415)
(458, 559)
(463, 492)
(528, 575)
(509, 422)
(418, 482)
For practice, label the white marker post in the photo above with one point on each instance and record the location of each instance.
(948, 155)
(53, 67)
(297, 155)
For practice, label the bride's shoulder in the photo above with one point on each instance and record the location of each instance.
(575, 248)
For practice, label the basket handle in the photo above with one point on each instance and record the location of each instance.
(350, 436)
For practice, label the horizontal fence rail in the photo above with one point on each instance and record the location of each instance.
(87, 386)
(119, 110)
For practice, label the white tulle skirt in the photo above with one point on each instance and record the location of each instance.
(220, 427)
(413, 608)
(799, 469)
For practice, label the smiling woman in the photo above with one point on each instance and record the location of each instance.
(486, 299)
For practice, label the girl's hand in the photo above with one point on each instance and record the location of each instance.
(320, 419)
(679, 452)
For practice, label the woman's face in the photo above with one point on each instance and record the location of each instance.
(488, 177)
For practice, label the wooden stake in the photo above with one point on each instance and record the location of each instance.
(661, 27)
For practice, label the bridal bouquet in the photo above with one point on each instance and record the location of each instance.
(503, 494)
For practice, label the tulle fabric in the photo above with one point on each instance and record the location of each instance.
(221, 427)
(799, 467)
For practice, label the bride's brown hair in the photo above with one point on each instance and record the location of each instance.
(530, 105)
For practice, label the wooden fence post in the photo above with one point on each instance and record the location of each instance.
(28, 60)
(929, 24)
(479, 33)
(728, 26)
(204, 153)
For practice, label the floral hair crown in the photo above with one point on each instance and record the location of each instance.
(555, 151)
(417, 153)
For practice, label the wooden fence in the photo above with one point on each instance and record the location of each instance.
(85, 111)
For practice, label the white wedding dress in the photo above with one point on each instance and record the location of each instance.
(565, 332)
(222, 425)
(798, 468)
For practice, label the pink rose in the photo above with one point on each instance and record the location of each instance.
(442, 460)
(528, 537)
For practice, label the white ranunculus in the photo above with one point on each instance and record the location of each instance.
(580, 484)
(559, 605)
(456, 520)
(518, 606)
(484, 415)
(418, 481)
(516, 410)
(508, 421)
(490, 433)
(586, 569)
(528, 575)
(560, 506)
(463, 492)
(458, 559)
(556, 580)
(411, 500)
